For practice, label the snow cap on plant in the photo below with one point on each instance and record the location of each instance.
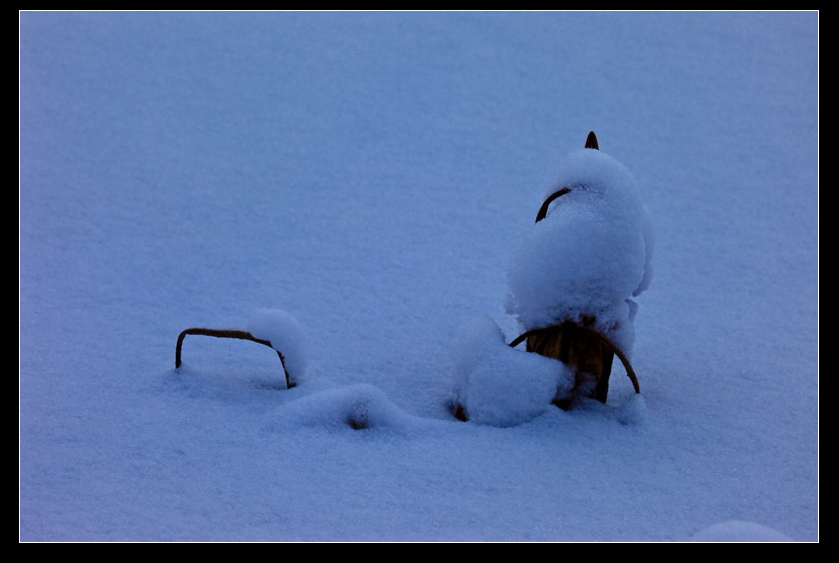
(590, 253)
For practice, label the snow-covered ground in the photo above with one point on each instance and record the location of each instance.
(372, 175)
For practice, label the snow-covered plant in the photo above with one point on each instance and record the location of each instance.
(274, 328)
(574, 277)
(572, 285)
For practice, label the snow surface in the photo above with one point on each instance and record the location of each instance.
(372, 175)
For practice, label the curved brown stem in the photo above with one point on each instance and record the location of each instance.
(591, 143)
(543, 211)
(630, 372)
(237, 334)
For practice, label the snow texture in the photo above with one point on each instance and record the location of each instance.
(376, 173)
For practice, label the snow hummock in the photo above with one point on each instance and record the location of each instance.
(286, 335)
(739, 531)
(501, 386)
(589, 256)
(633, 410)
(357, 407)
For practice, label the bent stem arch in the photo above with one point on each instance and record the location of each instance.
(237, 334)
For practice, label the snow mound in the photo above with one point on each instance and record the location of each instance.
(739, 531)
(286, 335)
(589, 256)
(633, 410)
(358, 407)
(498, 385)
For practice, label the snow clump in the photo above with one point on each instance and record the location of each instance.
(286, 335)
(501, 386)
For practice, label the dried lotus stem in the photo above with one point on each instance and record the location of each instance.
(237, 334)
